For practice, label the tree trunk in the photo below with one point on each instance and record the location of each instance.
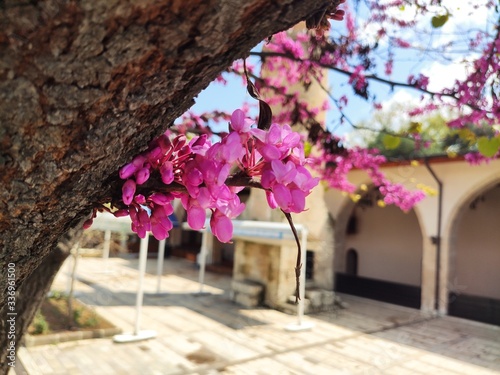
(29, 295)
(84, 85)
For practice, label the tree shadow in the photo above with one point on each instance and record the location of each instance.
(217, 307)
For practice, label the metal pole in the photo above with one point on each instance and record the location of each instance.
(105, 252)
(159, 270)
(123, 242)
(203, 259)
(138, 335)
(143, 256)
(107, 244)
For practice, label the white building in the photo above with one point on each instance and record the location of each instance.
(444, 255)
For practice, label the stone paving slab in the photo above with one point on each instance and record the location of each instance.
(208, 334)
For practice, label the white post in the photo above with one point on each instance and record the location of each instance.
(105, 251)
(107, 244)
(69, 261)
(143, 257)
(203, 259)
(159, 269)
(139, 335)
(123, 242)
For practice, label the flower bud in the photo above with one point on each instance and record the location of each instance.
(128, 191)
(142, 175)
(127, 170)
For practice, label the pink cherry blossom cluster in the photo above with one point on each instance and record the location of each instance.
(395, 193)
(334, 169)
(204, 176)
(476, 158)
(292, 64)
(299, 59)
(477, 94)
(204, 173)
(286, 180)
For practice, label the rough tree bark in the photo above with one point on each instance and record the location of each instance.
(84, 85)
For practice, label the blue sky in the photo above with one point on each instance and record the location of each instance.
(223, 97)
(443, 73)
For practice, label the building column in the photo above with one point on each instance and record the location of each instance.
(444, 276)
(428, 296)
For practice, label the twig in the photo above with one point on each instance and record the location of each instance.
(298, 265)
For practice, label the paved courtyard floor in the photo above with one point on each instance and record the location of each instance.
(208, 334)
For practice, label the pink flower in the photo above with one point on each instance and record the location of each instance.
(128, 191)
(277, 142)
(229, 203)
(120, 213)
(167, 172)
(160, 223)
(140, 221)
(271, 201)
(205, 198)
(196, 215)
(231, 148)
(140, 199)
(141, 176)
(200, 145)
(221, 226)
(298, 200)
(88, 223)
(289, 184)
(304, 180)
(276, 156)
(129, 169)
(161, 199)
(282, 196)
(284, 172)
(239, 123)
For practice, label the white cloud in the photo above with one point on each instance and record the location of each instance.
(393, 115)
(465, 14)
(444, 76)
(401, 97)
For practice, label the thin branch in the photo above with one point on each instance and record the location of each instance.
(298, 265)
(334, 100)
(373, 77)
(154, 185)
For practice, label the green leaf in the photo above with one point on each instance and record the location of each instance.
(307, 148)
(415, 127)
(391, 142)
(439, 21)
(488, 147)
(467, 135)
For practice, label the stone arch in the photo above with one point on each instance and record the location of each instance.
(473, 261)
(408, 273)
(340, 228)
(468, 195)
